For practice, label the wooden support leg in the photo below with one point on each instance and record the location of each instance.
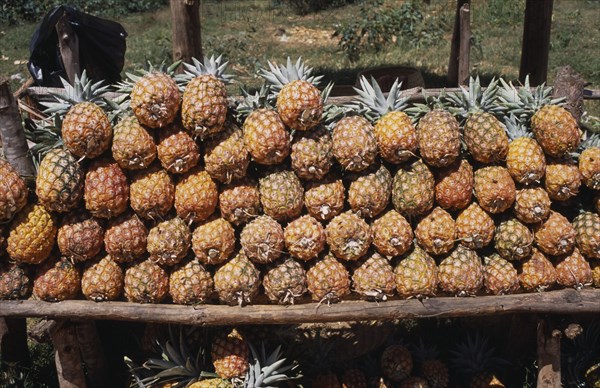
(69, 364)
(548, 357)
(92, 354)
(13, 341)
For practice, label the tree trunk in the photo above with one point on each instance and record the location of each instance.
(455, 46)
(69, 365)
(185, 19)
(14, 143)
(536, 41)
(548, 355)
(464, 55)
(569, 84)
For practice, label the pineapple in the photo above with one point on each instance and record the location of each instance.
(396, 135)
(265, 137)
(513, 240)
(213, 241)
(196, 196)
(239, 202)
(326, 379)
(596, 275)
(433, 370)
(436, 232)
(348, 236)
(298, 100)
(230, 355)
(396, 362)
(374, 278)
(483, 134)
(353, 378)
(413, 189)
(13, 192)
(454, 185)
(80, 236)
(133, 145)
(461, 273)
(392, 234)
(414, 382)
(438, 135)
(354, 143)
(15, 282)
(416, 275)
(31, 235)
(212, 383)
(155, 99)
(587, 228)
(177, 150)
(59, 181)
(237, 281)
(532, 205)
(204, 107)
(262, 240)
(225, 156)
(304, 238)
(311, 154)
(102, 280)
(125, 238)
(563, 179)
(589, 162)
(499, 275)
(106, 191)
(525, 160)
(281, 195)
(554, 127)
(555, 236)
(169, 241)
(476, 360)
(190, 283)
(56, 280)
(494, 189)
(328, 280)
(152, 193)
(146, 282)
(325, 199)
(573, 270)
(537, 272)
(285, 282)
(369, 191)
(474, 227)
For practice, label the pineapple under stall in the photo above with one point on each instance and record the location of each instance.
(162, 199)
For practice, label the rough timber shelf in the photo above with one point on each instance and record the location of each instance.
(567, 301)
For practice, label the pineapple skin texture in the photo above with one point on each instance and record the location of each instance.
(204, 107)
(155, 99)
(13, 192)
(59, 182)
(31, 235)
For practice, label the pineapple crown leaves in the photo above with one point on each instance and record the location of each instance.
(46, 136)
(515, 128)
(418, 110)
(526, 100)
(266, 371)
(424, 352)
(475, 355)
(250, 102)
(474, 99)
(280, 75)
(126, 85)
(373, 103)
(83, 89)
(590, 140)
(212, 65)
(590, 123)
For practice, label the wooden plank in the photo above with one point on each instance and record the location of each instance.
(69, 365)
(548, 355)
(185, 21)
(536, 41)
(464, 54)
(455, 46)
(567, 301)
(68, 43)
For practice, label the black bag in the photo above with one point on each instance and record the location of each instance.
(101, 47)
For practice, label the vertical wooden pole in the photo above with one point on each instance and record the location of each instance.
(187, 40)
(68, 43)
(465, 45)
(548, 355)
(13, 341)
(455, 45)
(69, 365)
(536, 41)
(569, 83)
(92, 354)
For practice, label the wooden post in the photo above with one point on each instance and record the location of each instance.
(548, 355)
(185, 19)
(92, 354)
(68, 43)
(14, 143)
(69, 364)
(536, 41)
(465, 44)
(13, 341)
(455, 46)
(569, 83)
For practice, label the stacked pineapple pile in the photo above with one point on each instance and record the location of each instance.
(160, 195)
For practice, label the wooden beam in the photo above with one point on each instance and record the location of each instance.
(548, 355)
(567, 301)
(455, 45)
(536, 41)
(185, 20)
(68, 43)
(464, 53)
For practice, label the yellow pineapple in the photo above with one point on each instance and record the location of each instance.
(102, 280)
(354, 143)
(374, 278)
(438, 135)
(133, 145)
(13, 192)
(436, 232)
(213, 241)
(155, 99)
(265, 137)
(454, 185)
(237, 281)
(31, 235)
(537, 272)
(196, 196)
(281, 195)
(176, 149)
(461, 273)
(304, 238)
(239, 202)
(59, 181)
(587, 228)
(106, 191)
(532, 205)
(348, 236)
(125, 238)
(80, 236)
(311, 154)
(152, 192)
(474, 227)
(230, 355)
(325, 199)
(56, 280)
(513, 240)
(169, 241)
(392, 234)
(555, 236)
(146, 282)
(416, 275)
(494, 189)
(499, 275)
(262, 240)
(225, 156)
(190, 283)
(369, 191)
(525, 160)
(573, 270)
(589, 162)
(413, 189)
(328, 280)
(285, 282)
(563, 179)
